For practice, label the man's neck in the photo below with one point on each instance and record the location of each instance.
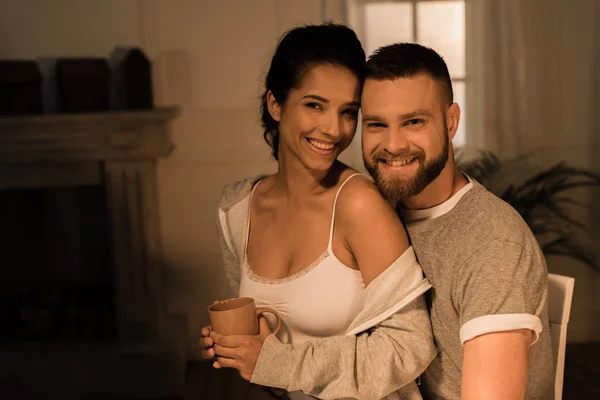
(441, 189)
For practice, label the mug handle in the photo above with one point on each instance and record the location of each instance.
(262, 310)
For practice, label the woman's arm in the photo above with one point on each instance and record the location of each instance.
(368, 366)
(372, 231)
(388, 356)
(371, 365)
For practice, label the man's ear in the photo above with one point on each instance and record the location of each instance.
(452, 120)
(273, 106)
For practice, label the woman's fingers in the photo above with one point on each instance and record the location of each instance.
(227, 352)
(206, 354)
(225, 363)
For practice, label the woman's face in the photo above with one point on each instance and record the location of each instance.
(318, 120)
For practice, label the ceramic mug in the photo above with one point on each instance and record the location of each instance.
(238, 316)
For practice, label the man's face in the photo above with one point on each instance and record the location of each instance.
(405, 139)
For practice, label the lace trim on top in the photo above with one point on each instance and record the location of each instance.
(257, 278)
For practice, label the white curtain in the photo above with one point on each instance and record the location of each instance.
(538, 64)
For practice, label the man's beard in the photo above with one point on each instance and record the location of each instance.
(396, 189)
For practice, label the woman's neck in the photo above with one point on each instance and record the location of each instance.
(294, 182)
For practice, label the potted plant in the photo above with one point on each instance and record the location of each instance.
(544, 198)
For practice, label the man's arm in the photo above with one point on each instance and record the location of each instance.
(500, 293)
(495, 366)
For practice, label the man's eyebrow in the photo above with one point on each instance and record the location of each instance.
(368, 117)
(400, 117)
(417, 113)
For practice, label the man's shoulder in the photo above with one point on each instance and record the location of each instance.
(491, 218)
(496, 238)
(481, 225)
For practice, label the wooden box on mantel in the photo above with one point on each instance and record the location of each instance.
(20, 88)
(83, 84)
(131, 79)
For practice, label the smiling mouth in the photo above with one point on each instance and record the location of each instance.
(398, 163)
(324, 146)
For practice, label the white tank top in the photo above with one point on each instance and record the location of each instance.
(320, 300)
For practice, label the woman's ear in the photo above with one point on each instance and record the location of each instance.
(273, 106)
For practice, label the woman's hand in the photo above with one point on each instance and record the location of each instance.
(206, 343)
(240, 351)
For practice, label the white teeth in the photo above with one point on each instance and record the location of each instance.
(399, 163)
(320, 145)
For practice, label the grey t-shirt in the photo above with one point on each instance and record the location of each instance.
(488, 275)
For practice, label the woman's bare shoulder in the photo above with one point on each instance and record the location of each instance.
(360, 195)
(370, 227)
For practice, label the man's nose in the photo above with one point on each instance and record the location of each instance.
(395, 142)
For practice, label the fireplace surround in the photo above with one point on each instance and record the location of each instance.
(118, 150)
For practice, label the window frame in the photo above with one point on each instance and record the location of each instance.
(355, 17)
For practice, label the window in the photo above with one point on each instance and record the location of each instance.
(439, 24)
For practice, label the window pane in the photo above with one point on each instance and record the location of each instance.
(387, 23)
(441, 26)
(460, 98)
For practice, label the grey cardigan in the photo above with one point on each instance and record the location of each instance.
(387, 346)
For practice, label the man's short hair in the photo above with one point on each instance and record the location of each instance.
(404, 60)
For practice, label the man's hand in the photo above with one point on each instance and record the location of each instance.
(206, 343)
(240, 351)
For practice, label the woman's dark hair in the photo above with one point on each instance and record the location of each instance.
(299, 50)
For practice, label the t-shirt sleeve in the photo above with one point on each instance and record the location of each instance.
(501, 287)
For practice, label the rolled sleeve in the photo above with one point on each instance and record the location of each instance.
(502, 287)
(500, 323)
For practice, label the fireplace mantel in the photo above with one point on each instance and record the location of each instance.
(87, 137)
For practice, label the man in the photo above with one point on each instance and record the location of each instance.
(488, 306)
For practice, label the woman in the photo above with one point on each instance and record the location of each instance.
(317, 242)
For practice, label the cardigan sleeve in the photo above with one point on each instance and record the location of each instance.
(368, 366)
(231, 262)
